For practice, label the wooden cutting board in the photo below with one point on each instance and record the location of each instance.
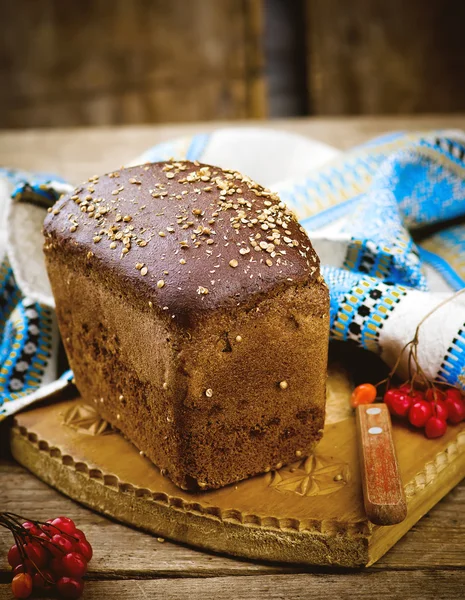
(310, 512)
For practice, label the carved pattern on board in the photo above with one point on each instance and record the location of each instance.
(434, 467)
(85, 419)
(426, 476)
(314, 476)
(326, 527)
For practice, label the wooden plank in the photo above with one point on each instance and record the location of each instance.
(436, 541)
(130, 62)
(383, 586)
(78, 153)
(382, 57)
(117, 549)
(256, 92)
(285, 62)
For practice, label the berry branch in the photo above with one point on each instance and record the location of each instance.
(425, 403)
(46, 556)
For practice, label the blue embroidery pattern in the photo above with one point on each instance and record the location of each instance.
(373, 198)
(25, 346)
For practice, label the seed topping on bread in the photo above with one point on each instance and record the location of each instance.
(273, 218)
(174, 216)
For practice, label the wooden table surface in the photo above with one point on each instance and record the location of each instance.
(429, 562)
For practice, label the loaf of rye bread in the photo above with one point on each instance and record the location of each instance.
(194, 316)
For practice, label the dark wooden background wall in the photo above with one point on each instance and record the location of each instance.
(385, 56)
(88, 62)
(92, 62)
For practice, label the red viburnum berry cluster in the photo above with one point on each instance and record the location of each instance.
(431, 410)
(48, 557)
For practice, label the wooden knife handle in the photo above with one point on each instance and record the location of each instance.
(383, 492)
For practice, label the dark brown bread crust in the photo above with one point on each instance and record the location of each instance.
(164, 213)
(216, 386)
